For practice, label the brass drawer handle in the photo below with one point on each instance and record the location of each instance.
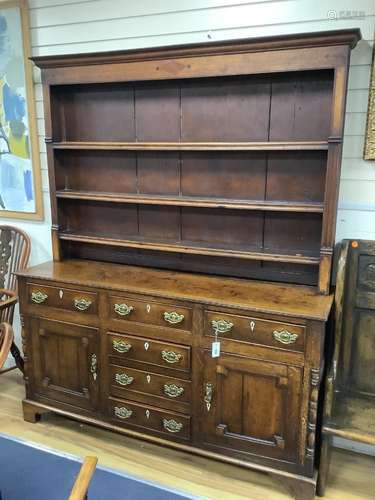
(221, 326)
(171, 357)
(173, 390)
(173, 317)
(171, 425)
(122, 412)
(82, 304)
(123, 309)
(39, 297)
(123, 379)
(208, 393)
(94, 366)
(121, 346)
(285, 337)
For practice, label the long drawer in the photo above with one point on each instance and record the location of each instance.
(128, 309)
(127, 380)
(253, 330)
(143, 417)
(145, 350)
(62, 298)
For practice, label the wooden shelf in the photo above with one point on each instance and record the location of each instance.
(196, 146)
(189, 248)
(189, 201)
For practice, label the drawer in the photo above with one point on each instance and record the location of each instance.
(149, 351)
(146, 417)
(149, 312)
(255, 330)
(63, 298)
(127, 380)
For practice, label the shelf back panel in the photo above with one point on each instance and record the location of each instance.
(293, 106)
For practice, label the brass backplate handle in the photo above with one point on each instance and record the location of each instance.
(123, 379)
(82, 304)
(122, 412)
(173, 390)
(123, 309)
(285, 337)
(121, 346)
(171, 425)
(38, 297)
(221, 326)
(173, 317)
(171, 357)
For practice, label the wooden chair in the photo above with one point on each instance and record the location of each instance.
(349, 405)
(6, 339)
(14, 255)
(82, 483)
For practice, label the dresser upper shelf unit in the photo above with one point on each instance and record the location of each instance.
(221, 158)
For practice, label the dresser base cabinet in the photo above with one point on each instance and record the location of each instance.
(107, 345)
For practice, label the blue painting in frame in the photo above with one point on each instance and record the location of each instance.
(20, 189)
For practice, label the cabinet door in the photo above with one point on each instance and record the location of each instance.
(65, 362)
(251, 406)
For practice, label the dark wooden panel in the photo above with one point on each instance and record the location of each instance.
(301, 106)
(103, 219)
(293, 233)
(222, 228)
(235, 175)
(230, 391)
(297, 176)
(157, 112)
(98, 112)
(101, 171)
(158, 173)
(366, 273)
(363, 349)
(224, 110)
(63, 359)
(261, 397)
(262, 416)
(159, 223)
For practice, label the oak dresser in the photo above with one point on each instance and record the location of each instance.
(193, 194)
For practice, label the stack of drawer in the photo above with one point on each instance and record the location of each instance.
(149, 374)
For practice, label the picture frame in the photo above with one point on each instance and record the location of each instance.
(20, 176)
(369, 147)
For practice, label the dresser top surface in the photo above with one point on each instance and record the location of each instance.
(283, 299)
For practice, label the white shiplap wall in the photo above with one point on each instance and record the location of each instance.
(68, 26)
(71, 26)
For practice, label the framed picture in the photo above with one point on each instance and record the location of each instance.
(369, 150)
(20, 182)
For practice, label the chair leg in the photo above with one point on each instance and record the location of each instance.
(17, 357)
(325, 456)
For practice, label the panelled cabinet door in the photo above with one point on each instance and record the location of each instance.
(66, 362)
(251, 406)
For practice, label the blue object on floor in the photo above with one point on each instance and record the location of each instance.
(29, 472)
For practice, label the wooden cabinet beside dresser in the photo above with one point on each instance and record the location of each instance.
(193, 193)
